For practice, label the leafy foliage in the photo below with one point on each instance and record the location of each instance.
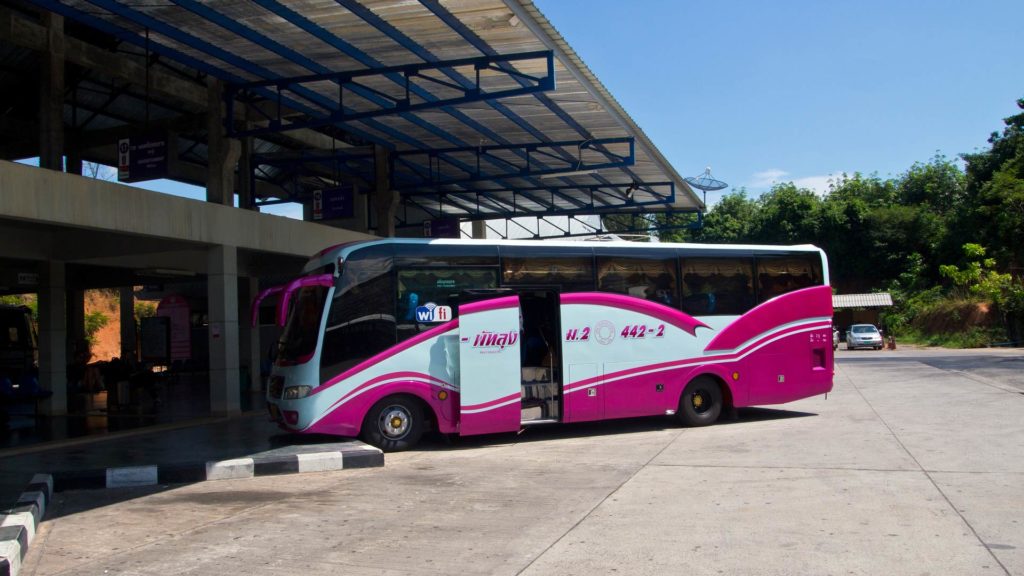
(920, 234)
(94, 321)
(144, 309)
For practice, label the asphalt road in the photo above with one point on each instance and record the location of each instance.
(913, 465)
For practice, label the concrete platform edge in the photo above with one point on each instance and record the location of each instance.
(18, 525)
(249, 467)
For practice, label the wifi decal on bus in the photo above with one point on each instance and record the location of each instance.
(431, 312)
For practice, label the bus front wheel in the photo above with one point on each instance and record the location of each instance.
(394, 424)
(701, 402)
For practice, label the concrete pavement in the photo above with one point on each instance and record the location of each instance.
(913, 465)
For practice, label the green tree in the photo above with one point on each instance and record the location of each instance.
(732, 220)
(994, 211)
(788, 215)
(94, 321)
(938, 185)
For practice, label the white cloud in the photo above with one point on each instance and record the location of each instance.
(766, 178)
(819, 184)
(772, 176)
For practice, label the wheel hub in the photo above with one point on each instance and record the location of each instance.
(394, 422)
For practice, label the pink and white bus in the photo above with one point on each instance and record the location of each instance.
(388, 339)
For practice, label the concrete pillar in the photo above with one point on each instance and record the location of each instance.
(223, 152)
(73, 163)
(480, 229)
(51, 95)
(222, 301)
(250, 337)
(129, 352)
(385, 199)
(53, 338)
(75, 320)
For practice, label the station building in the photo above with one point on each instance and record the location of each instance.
(368, 118)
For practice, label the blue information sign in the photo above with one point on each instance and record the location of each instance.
(334, 203)
(442, 228)
(141, 158)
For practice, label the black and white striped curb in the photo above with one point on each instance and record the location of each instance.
(283, 461)
(18, 525)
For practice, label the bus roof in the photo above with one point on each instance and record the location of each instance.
(332, 254)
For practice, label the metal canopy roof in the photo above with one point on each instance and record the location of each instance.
(875, 300)
(459, 91)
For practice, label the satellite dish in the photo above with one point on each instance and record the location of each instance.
(705, 182)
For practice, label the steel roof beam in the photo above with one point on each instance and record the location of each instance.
(480, 44)
(329, 38)
(332, 40)
(324, 35)
(408, 43)
(530, 167)
(217, 52)
(666, 195)
(548, 208)
(389, 104)
(185, 59)
(227, 57)
(405, 41)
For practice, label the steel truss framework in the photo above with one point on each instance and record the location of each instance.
(540, 201)
(296, 166)
(417, 169)
(352, 101)
(639, 224)
(410, 79)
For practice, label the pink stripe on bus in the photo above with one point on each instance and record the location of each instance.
(493, 403)
(492, 304)
(814, 302)
(401, 347)
(325, 280)
(660, 311)
(397, 376)
(254, 309)
(574, 386)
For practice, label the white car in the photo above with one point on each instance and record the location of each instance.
(863, 336)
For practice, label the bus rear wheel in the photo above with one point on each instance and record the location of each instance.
(701, 402)
(394, 424)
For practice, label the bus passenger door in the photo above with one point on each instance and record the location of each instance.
(489, 366)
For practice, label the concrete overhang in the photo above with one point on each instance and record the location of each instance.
(47, 215)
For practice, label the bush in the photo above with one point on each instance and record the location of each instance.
(94, 321)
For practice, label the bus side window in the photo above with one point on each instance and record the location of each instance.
(422, 290)
(776, 276)
(717, 286)
(649, 278)
(571, 273)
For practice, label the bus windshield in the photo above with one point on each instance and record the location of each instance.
(298, 340)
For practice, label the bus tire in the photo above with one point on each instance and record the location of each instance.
(394, 424)
(701, 402)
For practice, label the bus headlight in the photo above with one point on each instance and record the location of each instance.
(296, 392)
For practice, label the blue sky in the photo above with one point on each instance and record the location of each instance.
(799, 90)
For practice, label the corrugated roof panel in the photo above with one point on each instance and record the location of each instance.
(271, 39)
(874, 300)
